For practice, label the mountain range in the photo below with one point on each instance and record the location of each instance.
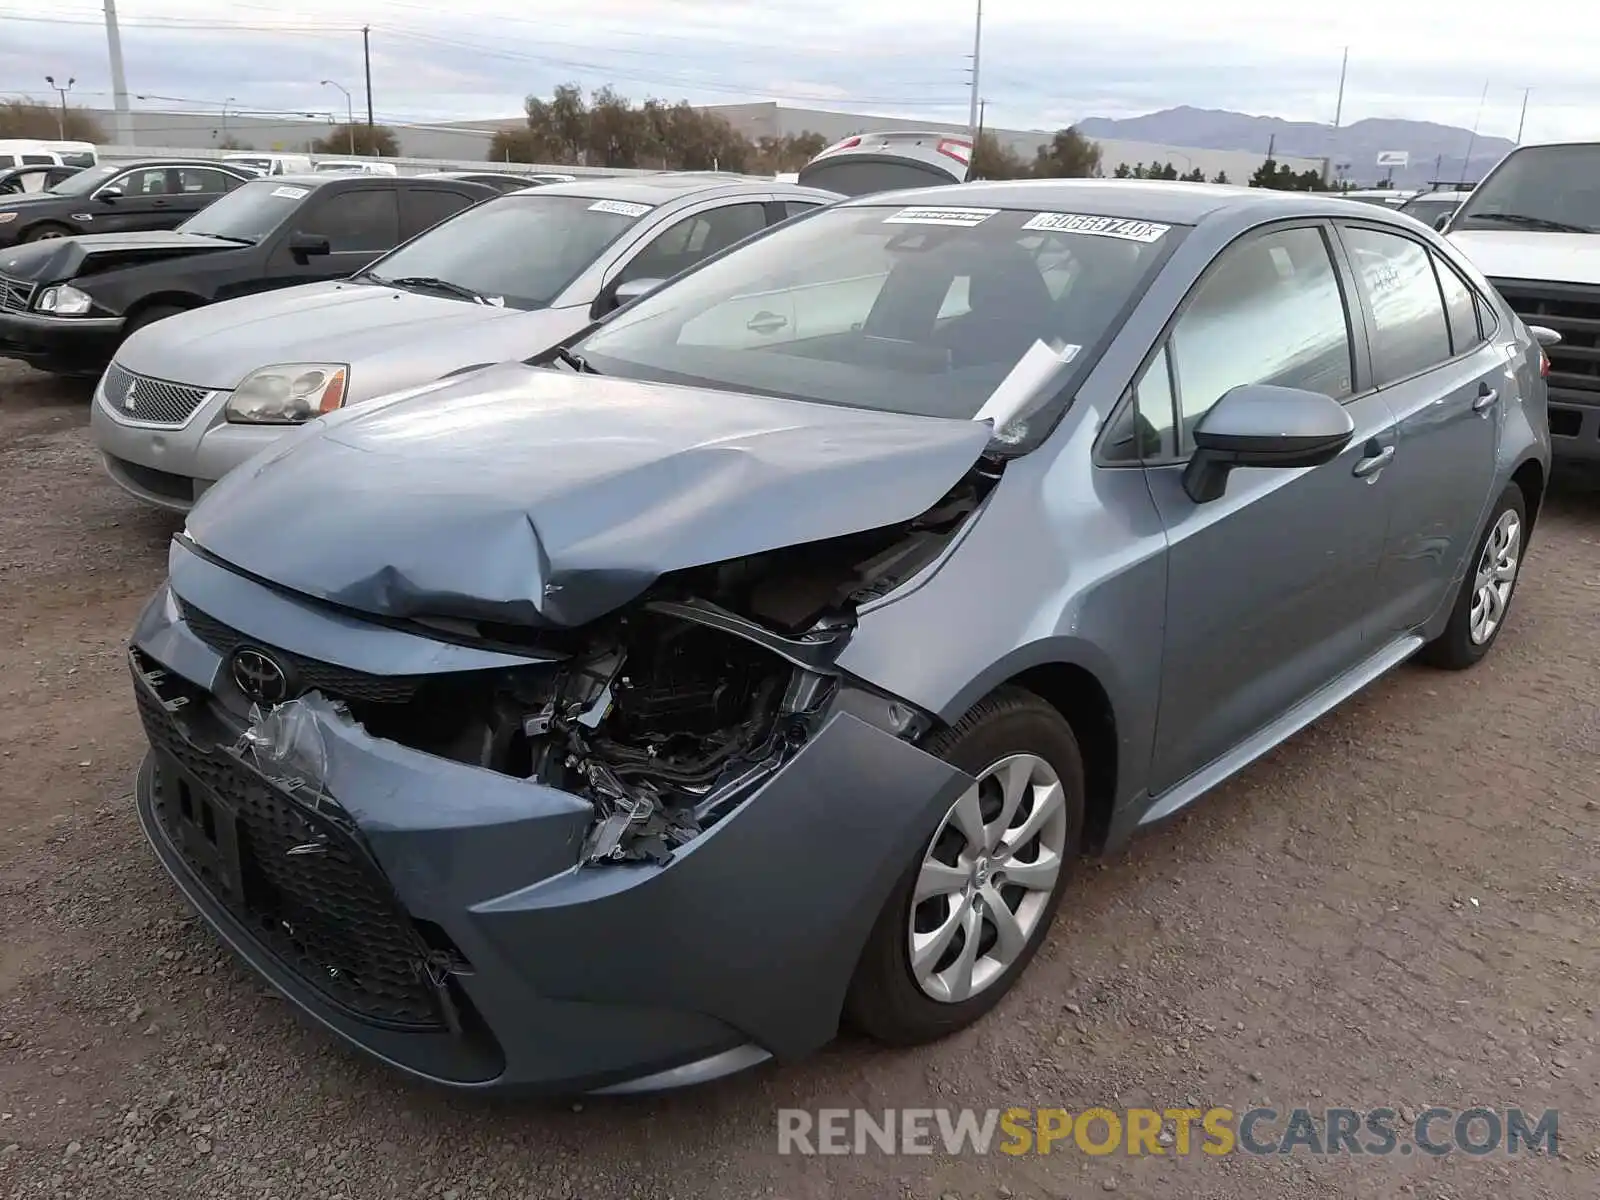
(1436, 151)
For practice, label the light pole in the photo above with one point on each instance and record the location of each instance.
(225, 104)
(1466, 163)
(1524, 117)
(61, 121)
(977, 53)
(349, 113)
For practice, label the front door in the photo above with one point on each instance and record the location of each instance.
(1268, 585)
(1445, 383)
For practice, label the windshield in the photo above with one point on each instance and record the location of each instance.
(957, 312)
(1428, 209)
(248, 213)
(518, 250)
(1553, 189)
(86, 181)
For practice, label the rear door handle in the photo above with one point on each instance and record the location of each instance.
(1374, 462)
(1486, 396)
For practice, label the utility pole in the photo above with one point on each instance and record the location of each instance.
(1524, 117)
(1466, 163)
(366, 57)
(61, 121)
(119, 80)
(1338, 108)
(977, 53)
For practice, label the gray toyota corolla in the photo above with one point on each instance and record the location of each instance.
(766, 656)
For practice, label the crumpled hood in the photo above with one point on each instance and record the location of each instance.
(57, 259)
(531, 496)
(375, 330)
(1526, 254)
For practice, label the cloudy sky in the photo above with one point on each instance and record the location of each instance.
(1042, 66)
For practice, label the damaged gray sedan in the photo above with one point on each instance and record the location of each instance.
(765, 657)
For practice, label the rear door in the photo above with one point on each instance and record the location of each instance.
(424, 207)
(1446, 384)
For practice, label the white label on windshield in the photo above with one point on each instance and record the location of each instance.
(291, 193)
(622, 208)
(967, 217)
(1114, 227)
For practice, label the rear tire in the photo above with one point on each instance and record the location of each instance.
(1028, 808)
(1484, 600)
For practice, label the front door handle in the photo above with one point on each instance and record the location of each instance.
(765, 322)
(1374, 462)
(1486, 396)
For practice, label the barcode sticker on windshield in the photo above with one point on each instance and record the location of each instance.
(621, 208)
(291, 193)
(967, 217)
(1114, 227)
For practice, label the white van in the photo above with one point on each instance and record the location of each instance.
(75, 154)
(269, 164)
(19, 152)
(353, 166)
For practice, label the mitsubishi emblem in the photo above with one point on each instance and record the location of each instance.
(132, 395)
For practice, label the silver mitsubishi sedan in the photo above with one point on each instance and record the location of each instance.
(191, 397)
(629, 716)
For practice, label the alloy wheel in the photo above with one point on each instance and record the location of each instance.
(987, 878)
(1496, 576)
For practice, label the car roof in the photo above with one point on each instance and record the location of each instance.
(1165, 201)
(136, 163)
(666, 187)
(308, 179)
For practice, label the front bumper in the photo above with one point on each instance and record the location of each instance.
(448, 928)
(172, 466)
(1574, 426)
(65, 345)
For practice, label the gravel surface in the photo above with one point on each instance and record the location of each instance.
(1400, 907)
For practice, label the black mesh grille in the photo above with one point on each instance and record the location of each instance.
(1573, 311)
(154, 400)
(15, 294)
(306, 674)
(327, 913)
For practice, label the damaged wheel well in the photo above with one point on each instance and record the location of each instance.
(1077, 695)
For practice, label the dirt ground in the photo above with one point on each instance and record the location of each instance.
(1399, 908)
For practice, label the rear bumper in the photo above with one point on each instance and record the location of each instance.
(66, 345)
(457, 894)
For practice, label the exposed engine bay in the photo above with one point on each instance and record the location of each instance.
(666, 715)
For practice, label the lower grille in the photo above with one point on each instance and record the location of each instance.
(1573, 311)
(326, 913)
(156, 401)
(304, 674)
(15, 294)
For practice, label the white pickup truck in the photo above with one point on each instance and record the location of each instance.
(1533, 227)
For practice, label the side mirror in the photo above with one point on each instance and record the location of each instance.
(1441, 221)
(1545, 336)
(636, 289)
(108, 195)
(1259, 425)
(305, 245)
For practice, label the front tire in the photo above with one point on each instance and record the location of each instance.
(1484, 601)
(46, 233)
(978, 896)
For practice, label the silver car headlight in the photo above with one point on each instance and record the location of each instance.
(63, 300)
(289, 393)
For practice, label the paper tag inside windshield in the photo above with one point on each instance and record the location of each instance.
(621, 208)
(291, 193)
(1114, 227)
(940, 216)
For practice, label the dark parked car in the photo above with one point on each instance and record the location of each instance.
(770, 652)
(67, 304)
(499, 181)
(34, 178)
(117, 198)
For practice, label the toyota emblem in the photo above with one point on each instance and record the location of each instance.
(259, 677)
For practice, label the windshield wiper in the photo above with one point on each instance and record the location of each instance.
(567, 358)
(433, 283)
(1528, 222)
(222, 237)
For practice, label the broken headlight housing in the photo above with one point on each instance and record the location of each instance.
(289, 393)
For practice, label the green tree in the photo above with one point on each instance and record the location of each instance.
(991, 160)
(1068, 155)
(368, 141)
(35, 119)
(1220, 177)
(1194, 176)
(1123, 171)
